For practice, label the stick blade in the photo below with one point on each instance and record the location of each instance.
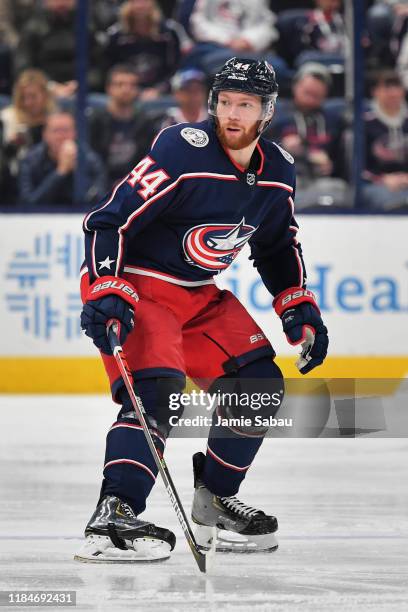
(200, 559)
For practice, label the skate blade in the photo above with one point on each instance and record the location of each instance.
(99, 549)
(231, 542)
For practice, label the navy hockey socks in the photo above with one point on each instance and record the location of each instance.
(231, 450)
(229, 456)
(130, 471)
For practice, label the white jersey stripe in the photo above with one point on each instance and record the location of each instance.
(131, 462)
(93, 254)
(225, 463)
(300, 266)
(160, 275)
(106, 204)
(188, 175)
(138, 427)
(275, 184)
(142, 208)
(163, 130)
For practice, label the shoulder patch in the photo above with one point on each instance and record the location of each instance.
(285, 154)
(195, 137)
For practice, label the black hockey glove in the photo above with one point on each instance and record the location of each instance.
(108, 298)
(303, 324)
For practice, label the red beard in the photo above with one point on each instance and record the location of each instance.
(235, 143)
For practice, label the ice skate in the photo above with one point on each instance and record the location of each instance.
(114, 534)
(239, 528)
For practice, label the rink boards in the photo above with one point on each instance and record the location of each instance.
(357, 266)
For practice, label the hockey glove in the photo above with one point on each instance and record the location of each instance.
(303, 324)
(108, 298)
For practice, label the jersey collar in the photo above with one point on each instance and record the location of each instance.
(258, 154)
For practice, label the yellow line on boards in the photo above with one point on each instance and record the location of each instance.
(52, 375)
(87, 375)
(343, 366)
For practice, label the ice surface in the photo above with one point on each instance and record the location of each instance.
(342, 507)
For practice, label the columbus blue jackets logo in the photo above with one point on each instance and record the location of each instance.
(214, 247)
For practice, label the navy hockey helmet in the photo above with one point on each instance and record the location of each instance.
(256, 77)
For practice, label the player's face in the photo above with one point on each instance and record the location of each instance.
(238, 116)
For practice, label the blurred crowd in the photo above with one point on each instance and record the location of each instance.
(150, 65)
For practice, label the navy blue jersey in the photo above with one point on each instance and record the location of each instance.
(186, 210)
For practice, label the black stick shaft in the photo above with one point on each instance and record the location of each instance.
(160, 462)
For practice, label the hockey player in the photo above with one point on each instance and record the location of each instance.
(153, 247)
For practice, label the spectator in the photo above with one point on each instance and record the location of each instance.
(324, 29)
(24, 120)
(121, 133)
(151, 44)
(386, 131)
(314, 137)
(234, 27)
(9, 37)
(402, 63)
(104, 13)
(387, 25)
(13, 15)
(399, 43)
(48, 42)
(400, 23)
(190, 92)
(47, 172)
(241, 26)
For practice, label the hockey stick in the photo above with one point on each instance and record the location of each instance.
(127, 377)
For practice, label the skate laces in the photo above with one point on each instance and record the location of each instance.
(234, 504)
(125, 510)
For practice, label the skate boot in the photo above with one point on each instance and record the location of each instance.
(237, 527)
(114, 534)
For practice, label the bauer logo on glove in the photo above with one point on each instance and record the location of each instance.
(111, 299)
(119, 286)
(302, 324)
